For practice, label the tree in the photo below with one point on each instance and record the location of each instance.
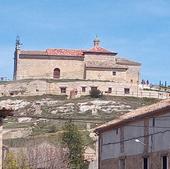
(10, 162)
(72, 138)
(38, 155)
(22, 160)
(46, 155)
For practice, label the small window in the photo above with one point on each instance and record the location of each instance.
(76, 92)
(145, 163)
(153, 122)
(126, 91)
(83, 89)
(11, 93)
(63, 89)
(117, 131)
(122, 164)
(131, 80)
(109, 90)
(114, 73)
(56, 73)
(37, 90)
(164, 162)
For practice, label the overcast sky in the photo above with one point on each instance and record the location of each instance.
(135, 29)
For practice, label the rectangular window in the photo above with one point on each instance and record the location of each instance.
(109, 90)
(164, 162)
(114, 73)
(117, 131)
(153, 122)
(145, 163)
(63, 89)
(126, 90)
(122, 164)
(83, 89)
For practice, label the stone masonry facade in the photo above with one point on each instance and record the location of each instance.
(74, 72)
(74, 88)
(96, 63)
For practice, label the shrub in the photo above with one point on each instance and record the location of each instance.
(95, 93)
(52, 129)
(10, 162)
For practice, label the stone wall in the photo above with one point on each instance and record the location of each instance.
(45, 86)
(99, 57)
(74, 67)
(106, 75)
(43, 68)
(39, 87)
(133, 74)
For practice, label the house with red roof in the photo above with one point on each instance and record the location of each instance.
(96, 63)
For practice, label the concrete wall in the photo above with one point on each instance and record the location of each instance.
(111, 142)
(160, 141)
(131, 147)
(154, 136)
(107, 148)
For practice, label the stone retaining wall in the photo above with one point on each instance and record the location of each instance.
(75, 88)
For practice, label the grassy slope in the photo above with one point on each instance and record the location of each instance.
(49, 130)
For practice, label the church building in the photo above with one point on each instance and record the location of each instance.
(96, 63)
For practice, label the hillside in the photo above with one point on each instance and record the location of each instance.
(46, 114)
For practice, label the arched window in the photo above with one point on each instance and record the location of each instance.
(56, 73)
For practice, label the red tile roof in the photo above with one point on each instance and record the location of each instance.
(99, 49)
(65, 52)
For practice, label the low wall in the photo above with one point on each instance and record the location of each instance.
(74, 88)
